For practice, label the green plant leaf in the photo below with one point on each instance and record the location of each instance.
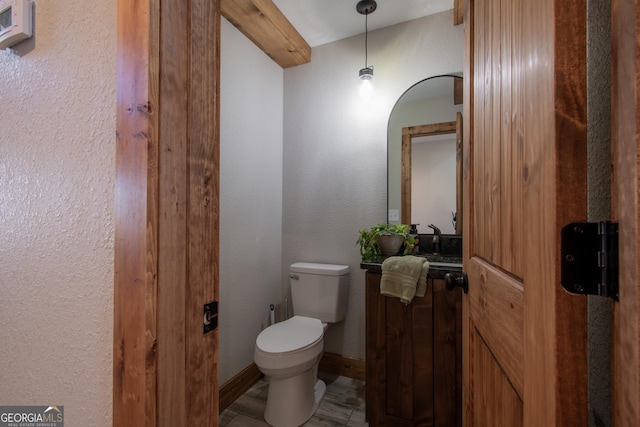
(368, 239)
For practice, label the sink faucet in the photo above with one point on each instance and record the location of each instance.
(437, 234)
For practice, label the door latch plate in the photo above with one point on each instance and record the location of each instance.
(210, 317)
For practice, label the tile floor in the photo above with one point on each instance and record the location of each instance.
(342, 405)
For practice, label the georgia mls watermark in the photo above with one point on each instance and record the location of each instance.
(31, 416)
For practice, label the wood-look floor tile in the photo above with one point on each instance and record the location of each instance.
(343, 405)
(226, 417)
(249, 405)
(357, 418)
(334, 410)
(320, 421)
(245, 421)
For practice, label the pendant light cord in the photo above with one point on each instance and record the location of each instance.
(366, 39)
(365, 7)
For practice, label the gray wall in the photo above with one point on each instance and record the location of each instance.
(599, 198)
(250, 196)
(335, 148)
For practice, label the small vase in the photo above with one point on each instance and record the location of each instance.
(390, 244)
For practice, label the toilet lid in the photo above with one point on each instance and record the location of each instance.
(290, 335)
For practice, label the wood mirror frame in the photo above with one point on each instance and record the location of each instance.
(408, 133)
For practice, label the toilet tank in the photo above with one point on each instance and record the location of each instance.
(319, 290)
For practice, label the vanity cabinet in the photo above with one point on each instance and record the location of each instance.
(413, 357)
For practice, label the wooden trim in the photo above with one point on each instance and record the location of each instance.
(343, 365)
(459, 158)
(570, 361)
(458, 12)
(431, 129)
(468, 242)
(264, 24)
(166, 215)
(238, 385)
(134, 321)
(200, 225)
(405, 181)
(555, 345)
(625, 108)
(458, 91)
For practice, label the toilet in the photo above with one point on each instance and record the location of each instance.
(288, 352)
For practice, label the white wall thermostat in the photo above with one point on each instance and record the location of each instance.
(15, 22)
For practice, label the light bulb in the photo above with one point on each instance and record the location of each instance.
(365, 91)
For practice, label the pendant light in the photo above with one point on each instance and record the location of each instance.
(365, 7)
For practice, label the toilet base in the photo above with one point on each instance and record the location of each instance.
(319, 388)
(292, 401)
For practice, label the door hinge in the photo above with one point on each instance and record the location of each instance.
(210, 317)
(589, 264)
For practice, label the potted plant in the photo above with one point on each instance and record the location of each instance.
(384, 239)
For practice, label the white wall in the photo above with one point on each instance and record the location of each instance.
(250, 196)
(57, 166)
(335, 148)
(433, 184)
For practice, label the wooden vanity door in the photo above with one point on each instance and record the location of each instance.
(524, 337)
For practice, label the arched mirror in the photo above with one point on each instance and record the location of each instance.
(424, 174)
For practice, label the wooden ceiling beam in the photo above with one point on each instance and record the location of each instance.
(264, 24)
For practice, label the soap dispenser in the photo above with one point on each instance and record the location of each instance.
(413, 232)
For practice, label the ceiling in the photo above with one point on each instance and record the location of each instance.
(325, 21)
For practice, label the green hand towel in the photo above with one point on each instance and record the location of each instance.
(404, 277)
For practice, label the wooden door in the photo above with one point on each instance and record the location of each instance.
(625, 137)
(524, 337)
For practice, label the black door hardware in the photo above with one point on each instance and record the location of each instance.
(589, 264)
(451, 282)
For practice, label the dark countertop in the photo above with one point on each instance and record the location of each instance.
(439, 265)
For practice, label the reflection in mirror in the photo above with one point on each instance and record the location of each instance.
(424, 147)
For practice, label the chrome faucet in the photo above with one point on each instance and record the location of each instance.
(437, 234)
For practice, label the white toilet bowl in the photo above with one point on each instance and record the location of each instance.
(288, 354)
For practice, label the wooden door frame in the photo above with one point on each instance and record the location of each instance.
(166, 212)
(625, 125)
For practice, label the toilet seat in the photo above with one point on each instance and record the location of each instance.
(289, 347)
(292, 335)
